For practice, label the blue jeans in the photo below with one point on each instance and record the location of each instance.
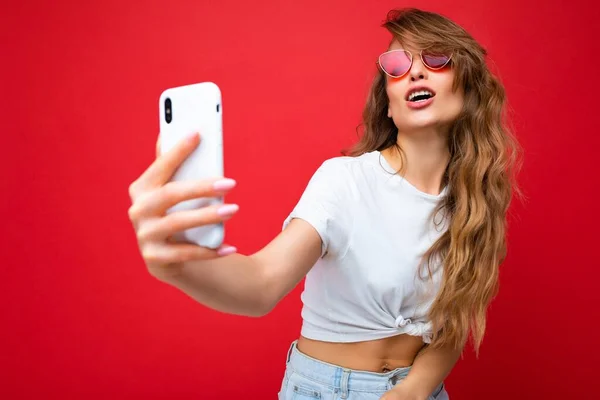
(307, 379)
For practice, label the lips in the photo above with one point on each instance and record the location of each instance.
(416, 105)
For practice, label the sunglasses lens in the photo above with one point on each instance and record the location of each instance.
(433, 60)
(395, 63)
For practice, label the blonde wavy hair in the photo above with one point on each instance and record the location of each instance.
(484, 160)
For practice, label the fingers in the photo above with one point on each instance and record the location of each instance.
(153, 193)
(177, 253)
(158, 147)
(156, 202)
(161, 228)
(163, 168)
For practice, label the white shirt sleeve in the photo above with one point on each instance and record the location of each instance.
(326, 204)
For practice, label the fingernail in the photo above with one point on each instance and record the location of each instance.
(227, 250)
(224, 184)
(193, 136)
(227, 209)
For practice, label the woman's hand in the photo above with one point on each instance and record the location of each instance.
(402, 391)
(152, 194)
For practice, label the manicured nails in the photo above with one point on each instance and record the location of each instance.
(192, 137)
(227, 210)
(226, 250)
(224, 184)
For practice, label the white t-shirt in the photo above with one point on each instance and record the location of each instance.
(375, 227)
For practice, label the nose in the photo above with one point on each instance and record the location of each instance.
(417, 70)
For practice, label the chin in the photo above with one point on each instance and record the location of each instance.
(423, 122)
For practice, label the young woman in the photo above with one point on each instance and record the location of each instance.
(400, 241)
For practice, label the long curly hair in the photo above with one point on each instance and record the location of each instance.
(481, 175)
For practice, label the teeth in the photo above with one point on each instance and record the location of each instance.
(419, 93)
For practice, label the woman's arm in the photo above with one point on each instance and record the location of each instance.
(251, 285)
(430, 368)
(237, 284)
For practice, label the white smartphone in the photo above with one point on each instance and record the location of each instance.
(184, 110)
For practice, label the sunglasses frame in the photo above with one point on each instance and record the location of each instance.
(378, 62)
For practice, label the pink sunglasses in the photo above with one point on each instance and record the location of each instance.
(396, 63)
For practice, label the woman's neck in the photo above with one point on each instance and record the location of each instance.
(427, 157)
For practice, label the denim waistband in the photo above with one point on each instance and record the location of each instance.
(342, 378)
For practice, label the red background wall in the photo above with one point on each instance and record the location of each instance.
(80, 316)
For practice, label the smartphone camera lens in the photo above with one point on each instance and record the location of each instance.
(168, 110)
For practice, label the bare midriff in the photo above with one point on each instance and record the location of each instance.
(381, 355)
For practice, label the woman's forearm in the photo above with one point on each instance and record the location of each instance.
(430, 368)
(233, 284)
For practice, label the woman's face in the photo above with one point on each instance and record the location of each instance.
(438, 112)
